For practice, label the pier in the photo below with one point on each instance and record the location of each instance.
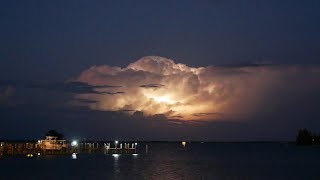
(10, 148)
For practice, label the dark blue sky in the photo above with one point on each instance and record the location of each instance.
(58, 39)
(45, 43)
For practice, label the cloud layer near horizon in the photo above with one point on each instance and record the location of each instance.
(157, 85)
(149, 98)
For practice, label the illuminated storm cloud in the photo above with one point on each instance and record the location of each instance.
(157, 85)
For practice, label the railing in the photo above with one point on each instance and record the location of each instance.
(15, 148)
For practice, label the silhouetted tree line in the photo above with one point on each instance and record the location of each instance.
(306, 137)
(55, 133)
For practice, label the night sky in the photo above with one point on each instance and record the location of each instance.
(224, 70)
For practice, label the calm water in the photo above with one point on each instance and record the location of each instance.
(171, 161)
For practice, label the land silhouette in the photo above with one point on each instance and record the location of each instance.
(305, 137)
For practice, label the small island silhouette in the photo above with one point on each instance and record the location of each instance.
(306, 138)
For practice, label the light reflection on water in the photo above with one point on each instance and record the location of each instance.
(116, 168)
(74, 156)
(171, 161)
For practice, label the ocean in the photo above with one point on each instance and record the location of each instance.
(173, 161)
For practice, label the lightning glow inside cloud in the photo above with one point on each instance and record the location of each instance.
(157, 85)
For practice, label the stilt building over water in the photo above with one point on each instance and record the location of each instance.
(51, 145)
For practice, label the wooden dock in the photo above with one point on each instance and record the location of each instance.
(33, 148)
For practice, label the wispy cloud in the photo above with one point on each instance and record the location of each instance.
(84, 100)
(113, 93)
(76, 87)
(152, 85)
(208, 114)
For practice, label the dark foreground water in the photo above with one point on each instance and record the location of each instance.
(171, 161)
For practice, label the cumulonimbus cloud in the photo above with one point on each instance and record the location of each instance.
(157, 85)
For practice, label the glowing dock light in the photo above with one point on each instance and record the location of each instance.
(116, 142)
(74, 143)
(184, 143)
(135, 143)
(134, 154)
(38, 154)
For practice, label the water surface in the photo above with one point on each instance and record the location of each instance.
(172, 161)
